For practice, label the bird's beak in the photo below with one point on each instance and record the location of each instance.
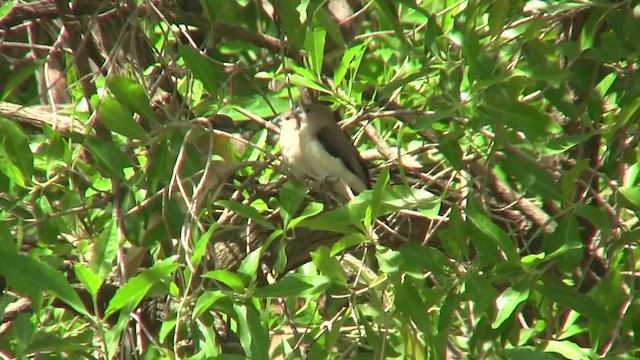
(277, 120)
(297, 112)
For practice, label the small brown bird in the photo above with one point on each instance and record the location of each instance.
(313, 145)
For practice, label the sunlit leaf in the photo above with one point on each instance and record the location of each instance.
(132, 292)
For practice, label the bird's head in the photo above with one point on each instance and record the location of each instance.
(306, 114)
(290, 120)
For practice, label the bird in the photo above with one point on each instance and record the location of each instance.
(313, 146)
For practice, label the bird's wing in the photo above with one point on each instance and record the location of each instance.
(333, 141)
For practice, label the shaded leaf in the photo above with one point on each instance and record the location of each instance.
(16, 147)
(492, 231)
(202, 68)
(522, 117)
(574, 300)
(119, 119)
(498, 15)
(328, 265)
(314, 44)
(109, 156)
(289, 22)
(29, 275)
(295, 285)
(132, 95)
(532, 177)
(245, 210)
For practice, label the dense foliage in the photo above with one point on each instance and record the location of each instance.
(144, 211)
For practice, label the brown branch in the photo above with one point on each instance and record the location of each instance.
(37, 115)
(539, 218)
(47, 9)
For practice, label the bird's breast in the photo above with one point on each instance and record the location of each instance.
(292, 149)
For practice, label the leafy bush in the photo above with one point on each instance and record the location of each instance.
(145, 211)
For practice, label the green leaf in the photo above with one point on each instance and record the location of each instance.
(498, 15)
(132, 292)
(596, 215)
(454, 239)
(507, 303)
(23, 73)
(10, 170)
(310, 82)
(567, 349)
(410, 304)
(228, 278)
(630, 197)
(202, 68)
(563, 102)
(249, 266)
(492, 231)
(533, 178)
(132, 95)
(390, 261)
(479, 290)
(218, 9)
(104, 251)
(88, 278)
(328, 265)
(525, 354)
(627, 112)
(312, 209)
(346, 242)
(48, 343)
(201, 245)
(534, 123)
(448, 310)
(450, 147)
(327, 23)
(253, 335)
(565, 244)
(568, 180)
(394, 198)
(350, 60)
(23, 330)
(563, 143)
(5, 8)
(389, 88)
(290, 22)
(29, 275)
(291, 195)
(16, 147)
(295, 285)
(117, 118)
(377, 194)
(245, 210)
(337, 220)
(314, 45)
(566, 296)
(388, 13)
(109, 156)
(418, 257)
(206, 300)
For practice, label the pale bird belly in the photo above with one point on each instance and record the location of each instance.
(323, 165)
(294, 157)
